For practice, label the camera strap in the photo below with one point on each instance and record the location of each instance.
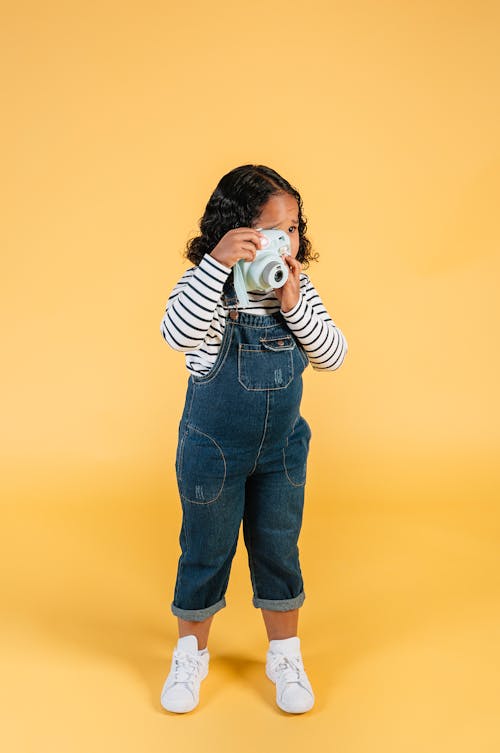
(239, 285)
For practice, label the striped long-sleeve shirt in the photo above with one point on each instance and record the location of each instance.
(195, 317)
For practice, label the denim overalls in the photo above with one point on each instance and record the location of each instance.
(242, 454)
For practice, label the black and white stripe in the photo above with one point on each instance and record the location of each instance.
(195, 317)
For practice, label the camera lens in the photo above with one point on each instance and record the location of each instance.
(278, 275)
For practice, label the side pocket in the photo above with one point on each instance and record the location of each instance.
(180, 443)
(201, 467)
(295, 453)
(303, 354)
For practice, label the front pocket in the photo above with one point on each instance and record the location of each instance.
(201, 468)
(267, 365)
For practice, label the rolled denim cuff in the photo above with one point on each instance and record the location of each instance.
(279, 605)
(197, 615)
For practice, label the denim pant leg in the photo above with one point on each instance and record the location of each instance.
(208, 539)
(271, 526)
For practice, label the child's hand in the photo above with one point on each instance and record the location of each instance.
(288, 295)
(239, 243)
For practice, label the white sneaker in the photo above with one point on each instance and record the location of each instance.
(181, 690)
(285, 668)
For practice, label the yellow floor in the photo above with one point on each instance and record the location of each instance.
(119, 120)
(399, 629)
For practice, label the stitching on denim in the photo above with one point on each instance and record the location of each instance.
(223, 357)
(188, 413)
(208, 611)
(257, 347)
(178, 580)
(303, 354)
(185, 526)
(266, 341)
(219, 361)
(180, 455)
(181, 561)
(251, 561)
(284, 457)
(228, 567)
(286, 472)
(261, 323)
(263, 434)
(296, 600)
(210, 501)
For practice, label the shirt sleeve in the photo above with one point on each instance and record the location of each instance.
(324, 343)
(192, 303)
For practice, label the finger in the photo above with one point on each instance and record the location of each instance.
(248, 249)
(250, 234)
(293, 265)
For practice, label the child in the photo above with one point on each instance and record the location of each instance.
(242, 444)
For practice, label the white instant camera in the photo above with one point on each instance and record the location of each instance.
(268, 270)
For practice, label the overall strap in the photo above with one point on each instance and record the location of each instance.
(229, 295)
(231, 300)
(239, 284)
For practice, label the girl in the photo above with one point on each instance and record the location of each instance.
(242, 444)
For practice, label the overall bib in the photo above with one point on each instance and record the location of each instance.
(242, 455)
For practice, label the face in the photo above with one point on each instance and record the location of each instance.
(281, 212)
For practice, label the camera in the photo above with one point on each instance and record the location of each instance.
(267, 270)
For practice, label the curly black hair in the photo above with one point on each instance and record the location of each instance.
(236, 201)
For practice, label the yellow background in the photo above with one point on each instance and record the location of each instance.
(119, 119)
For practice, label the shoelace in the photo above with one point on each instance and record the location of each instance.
(291, 667)
(186, 665)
